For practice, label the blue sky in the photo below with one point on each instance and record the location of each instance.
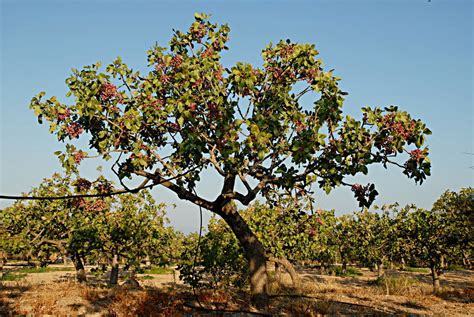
(415, 54)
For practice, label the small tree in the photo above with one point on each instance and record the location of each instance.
(219, 262)
(131, 230)
(458, 209)
(428, 235)
(67, 227)
(373, 239)
(189, 112)
(344, 237)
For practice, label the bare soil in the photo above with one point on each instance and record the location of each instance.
(57, 293)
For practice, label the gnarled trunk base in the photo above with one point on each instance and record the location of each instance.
(254, 253)
(289, 268)
(79, 266)
(114, 272)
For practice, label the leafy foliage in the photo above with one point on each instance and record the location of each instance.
(243, 121)
(131, 226)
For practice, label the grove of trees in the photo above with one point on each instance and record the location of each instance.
(128, 228)
(392, 237)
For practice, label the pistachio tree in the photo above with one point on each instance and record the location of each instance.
(458, 208)
(344, 237)
(188, 112)
(428, 234)
(40, 228)
(131, 230)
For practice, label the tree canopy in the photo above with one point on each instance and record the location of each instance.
(189, 112)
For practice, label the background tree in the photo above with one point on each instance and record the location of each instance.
(65, 227)
(344, 237)
(131, 230)
(428, 233)
(220, 262)
(129, 227)
(458, 209)
(189, 112)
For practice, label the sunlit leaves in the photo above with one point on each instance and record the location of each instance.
(188, 111)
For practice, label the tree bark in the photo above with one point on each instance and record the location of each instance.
(79, 266)
(253, 250)
(344, 266)
(465, 260)
(114, 272)
(380, 270)
(402, 264)
(435, 277)
(289, 268)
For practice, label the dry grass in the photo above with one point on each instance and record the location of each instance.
(401, 285)
(408, 294)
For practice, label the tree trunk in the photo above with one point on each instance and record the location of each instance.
(380, 270)
(465, 260)
(254, 253)
(147, 262)
(79, 266)
(442, 263)
(435, 276)
(289, 268)
(402, 264)
(344, 266)
(114, 272)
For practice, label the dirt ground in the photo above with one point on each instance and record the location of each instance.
(56, 293)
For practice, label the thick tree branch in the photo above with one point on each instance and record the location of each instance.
(180, 191)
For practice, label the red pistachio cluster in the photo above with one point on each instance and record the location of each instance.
(365, 195)
(174, 127)
(160, 65)
(192, 107)
(300, 126)
(155, 103)
(165, 78)
(310, 75)
(416, 155)
(79, 203)
(108, 92)
(98, 205)
(63, 116)
(217, 45)
(199, 32)
(286, 51)
(176, 61)
(218, 74)
(404, 132)
(74, 130)
(104, 188)
(276, 71)
(360, 191)
(207, 52)
(78, 156)
(198, 83)
(82, 185)
(213, 111)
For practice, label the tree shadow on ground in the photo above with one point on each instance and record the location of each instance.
(462, 279)
(326, 305)
(8, 293)
(465, 296)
